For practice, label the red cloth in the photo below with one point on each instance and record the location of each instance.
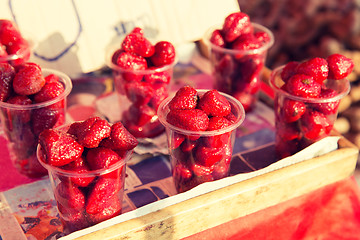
(329, 213)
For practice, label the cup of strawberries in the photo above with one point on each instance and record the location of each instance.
(142, 72)
(201, 127)
(237, 52)
(307, 97)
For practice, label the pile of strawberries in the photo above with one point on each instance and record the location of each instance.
(197, 157)
(75, 156)
(237, 72)
(142, 73)
(303, 115)
(14, 49)
(21, 87)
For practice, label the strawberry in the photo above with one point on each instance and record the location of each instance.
(157, 76)
(69, 196)
(315, 125)
(289, 70)
(45, 118)
(192, 119)
(9, 32)
(160, 93)
(202, 172)
(214, 104)
(176, 140)
(303, 86)
(130, 62)
(111, 208)
(19, 116)
(314, 67)
(101, 157)
(51, 90)
(28, 80)
(164, 54)
(339, 66)
(79, 166)
(59, 148)
(120, 138)
(90, 132)
(262, 37)
(7, 73)
(3, 54)
(102, 192)
(329, 107)
(136, 43)
(52, 78)
(140, 115)
(245, 43)
(221, 168)
(208, 156)
(181, 172)
(185, 98)
(139, 93)
(292, 110)
(217, 38)
(235, 25)
(288, 131)
(217, 123)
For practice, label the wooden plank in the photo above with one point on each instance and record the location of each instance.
(240, 199)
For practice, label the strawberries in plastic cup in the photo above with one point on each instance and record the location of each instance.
(41, 105)
(307, 97)
(86, 162)
(201, 127)
(237, 51)
(142, 72)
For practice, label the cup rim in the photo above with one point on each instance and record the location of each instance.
(111, 50)
(163, 111)
(91, 173)
(45, 71)
(207, 35)
(22, 52)
(339, 96)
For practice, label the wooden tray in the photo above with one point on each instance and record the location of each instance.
(217, 207)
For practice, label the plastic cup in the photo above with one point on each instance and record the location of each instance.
(200, 156)
(22, 124)
(294, 132)
(75, 193)
(140, 93)
(238, 72)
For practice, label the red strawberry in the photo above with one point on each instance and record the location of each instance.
(329, 107)
(28, 80)
(208, 156)
(188, 145)
(52, 78)
(45, 118)
(315, 125)
(180, 171)
(60, 148)
(22, 49)
(140, 115)
(292, 110)
(289, 70)
(9, 32)
(287, 131)
(214, 104)
(339, 66)
(79, 166)
(193, 119)
(185, 98)
(49, 91)
(203, 172)
(120, 138)
(111, 208)
(236, 24)
(164, 54)
(217, 123)
(7, 73)
(130, 63)
(139, 93)
(221, 168)
(136, 43)
(217, 38)
(315, 67)
(101, 157)
(90, 132)
(176, 140)
(101, 194)
(3, 54)
(19, 116)
(157, 76)
(303, 86)
(160, 93)
(263, 37)
(245, 43)
(69, 196)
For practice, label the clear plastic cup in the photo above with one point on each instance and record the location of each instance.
(140, 93)
(200, 156)
(238, 72)
(87, 198)
(22, 124)
(299, 121)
